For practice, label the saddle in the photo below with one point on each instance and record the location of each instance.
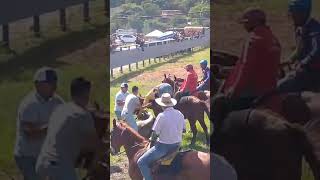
(171, 163)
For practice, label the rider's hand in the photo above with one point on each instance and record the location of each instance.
(230, 92)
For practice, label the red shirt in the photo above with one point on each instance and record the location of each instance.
(190, 83)
(256, 72)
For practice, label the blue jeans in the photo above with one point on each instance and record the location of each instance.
(203, 87)
(152, 155)
(118, 114)
(129, 118)
(27, 167)
(302, 81)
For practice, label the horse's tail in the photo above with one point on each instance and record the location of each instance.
(307, 148)
(204, 105)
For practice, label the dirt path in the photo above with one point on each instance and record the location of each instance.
(120, 170)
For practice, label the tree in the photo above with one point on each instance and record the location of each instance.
(135, 23)
(200, 10)
(151, 9)
(131, 9)
(150, 25)
(179, 21)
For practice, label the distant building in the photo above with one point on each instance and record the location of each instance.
(170, 13)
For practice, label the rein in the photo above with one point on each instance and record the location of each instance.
(122, 152)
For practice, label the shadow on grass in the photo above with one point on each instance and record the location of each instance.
(201, 138)
(46, 53)
(132, 74)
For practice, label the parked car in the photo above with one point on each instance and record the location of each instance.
(128, 38)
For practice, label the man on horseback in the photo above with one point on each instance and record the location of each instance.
(157, 92)
(131, 105)
(71, 130)
(204, 83)
(120, 99)
(307, 53)
(169, 127)
(256, 72)
(189, 85)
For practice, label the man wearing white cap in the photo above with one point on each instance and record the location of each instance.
(120, 99)
(168, 127)
(33, 116)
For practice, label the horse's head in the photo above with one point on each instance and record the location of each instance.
(168, 80)
(143, 115)
(116, 139)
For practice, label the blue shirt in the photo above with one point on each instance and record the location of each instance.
(308, 43)
(206, 75)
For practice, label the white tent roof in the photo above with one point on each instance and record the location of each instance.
(155, 33)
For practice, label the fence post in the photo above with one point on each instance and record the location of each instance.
(121, 70)
(143, 63)
(149, 61)
(5, 35)
(63, 21)
(155, 60)
(137, 64)
(36, 25)
(112, 73)
(130, 67)
(86, 17)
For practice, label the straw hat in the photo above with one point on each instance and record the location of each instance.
(166, 100)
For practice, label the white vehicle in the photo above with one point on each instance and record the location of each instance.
(128, 38)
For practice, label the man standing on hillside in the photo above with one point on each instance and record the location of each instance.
(71, 131)
(132, 104)
(307, 53)
(256, 72)
(33, 116)
(120, 99)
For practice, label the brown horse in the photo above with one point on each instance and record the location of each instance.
(260, 144)
(194, 164)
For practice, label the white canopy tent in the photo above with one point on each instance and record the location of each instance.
(154, 34)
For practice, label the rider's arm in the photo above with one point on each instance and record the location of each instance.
(250, 57)
(315, 51)
(207, 79)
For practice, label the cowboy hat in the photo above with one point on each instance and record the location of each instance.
(166, 100)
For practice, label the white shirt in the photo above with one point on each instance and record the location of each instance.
(169, 126)
(120, 96)
(34, 109)
(68, 128)
(131, 103)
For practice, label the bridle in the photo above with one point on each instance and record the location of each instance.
(122, 152)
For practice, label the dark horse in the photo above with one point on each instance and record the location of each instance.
(194, 164)
(97, 163)
(193, 109)
(261, 144)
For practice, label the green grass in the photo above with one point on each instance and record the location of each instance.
(16, 71)
(145, 86)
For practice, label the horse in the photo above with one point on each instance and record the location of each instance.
(194, 164)
(202, 95)
(97, 163)
(145, 124)
(193, 109)
(260, 144)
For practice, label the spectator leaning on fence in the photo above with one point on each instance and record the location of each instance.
(120, 99)
(71, 131)
(131, 105)
(33, 116)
